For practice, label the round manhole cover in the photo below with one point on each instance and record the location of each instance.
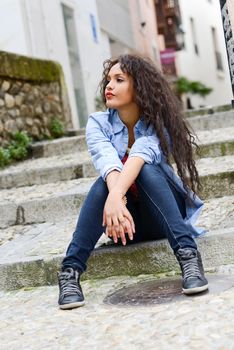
(162, 291)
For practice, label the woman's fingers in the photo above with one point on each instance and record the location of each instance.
(130, 218)
(128, 229)
(118, 225)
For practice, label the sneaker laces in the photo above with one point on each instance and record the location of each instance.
(69, 283)
(191, 268)
(189, 260)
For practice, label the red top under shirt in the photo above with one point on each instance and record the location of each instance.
(133, 188)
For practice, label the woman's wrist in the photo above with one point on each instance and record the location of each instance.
(118, 194)
(124, 199)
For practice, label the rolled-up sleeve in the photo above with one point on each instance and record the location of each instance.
(104, 156)
(147, 148)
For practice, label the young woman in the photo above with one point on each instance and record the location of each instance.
(138, 196)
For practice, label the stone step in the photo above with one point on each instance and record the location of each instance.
(74, 165)
(30, 254)
(208, 110)
(47, 170)
(42, 203)
(212, 121)
(216, 119)
(59, 146)
(216, 247)
(216, 142)
(217, 176)
(217, 213)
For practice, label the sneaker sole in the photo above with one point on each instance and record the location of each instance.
(71, 305)
(195, 290)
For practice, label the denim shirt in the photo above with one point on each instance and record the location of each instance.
(107, 140)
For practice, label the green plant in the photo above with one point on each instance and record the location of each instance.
(56, 128)
(21, 138)
(196, 87)
(183, 86)
(16, 150)
(5, 158)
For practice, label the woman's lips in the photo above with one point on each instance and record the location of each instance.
(109, 95)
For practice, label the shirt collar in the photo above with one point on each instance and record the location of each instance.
(118, 125)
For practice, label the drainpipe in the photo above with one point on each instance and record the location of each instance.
(229, 40)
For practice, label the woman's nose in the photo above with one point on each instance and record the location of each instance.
(109, 86)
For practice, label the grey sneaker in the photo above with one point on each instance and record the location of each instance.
(70, 292)
(191, 266)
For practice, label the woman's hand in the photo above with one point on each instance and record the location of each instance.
(125, 228)
(117, 218)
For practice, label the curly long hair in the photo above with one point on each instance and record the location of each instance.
(161, 108)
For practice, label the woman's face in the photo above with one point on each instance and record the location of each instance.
(119, 91)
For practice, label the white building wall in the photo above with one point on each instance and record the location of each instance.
(12, 37)
(202, 67)
(36, 28)
(105, 46)
(91, 54)
(116, 21)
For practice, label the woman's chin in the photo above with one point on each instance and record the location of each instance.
(110, 105)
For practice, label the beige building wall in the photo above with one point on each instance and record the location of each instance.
(144, 28)
(230, 4)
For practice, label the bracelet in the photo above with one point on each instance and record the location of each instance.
(124, 199)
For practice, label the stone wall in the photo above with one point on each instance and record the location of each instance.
(32, 93)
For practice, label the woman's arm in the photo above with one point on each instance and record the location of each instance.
(104, 156)
(128, 175)
(112, 178)
(115, 214)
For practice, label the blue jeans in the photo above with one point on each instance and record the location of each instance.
(158, 214)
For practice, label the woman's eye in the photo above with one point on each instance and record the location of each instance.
(119, 80)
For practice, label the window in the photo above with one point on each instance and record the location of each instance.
(170, 4)
(194, 37)
(218, 56)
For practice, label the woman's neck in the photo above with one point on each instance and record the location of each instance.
(129, 115)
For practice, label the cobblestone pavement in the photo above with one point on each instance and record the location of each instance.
(31, 320)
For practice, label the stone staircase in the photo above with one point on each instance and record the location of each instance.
(40, 200)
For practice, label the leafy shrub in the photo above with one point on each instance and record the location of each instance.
(56, 128)
(182, 86)
(5, 158)
(21, 138)
(16, 150)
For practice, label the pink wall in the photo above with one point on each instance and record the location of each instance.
(144, 27)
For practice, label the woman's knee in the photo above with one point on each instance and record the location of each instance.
(148, 171)
(99, 189)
